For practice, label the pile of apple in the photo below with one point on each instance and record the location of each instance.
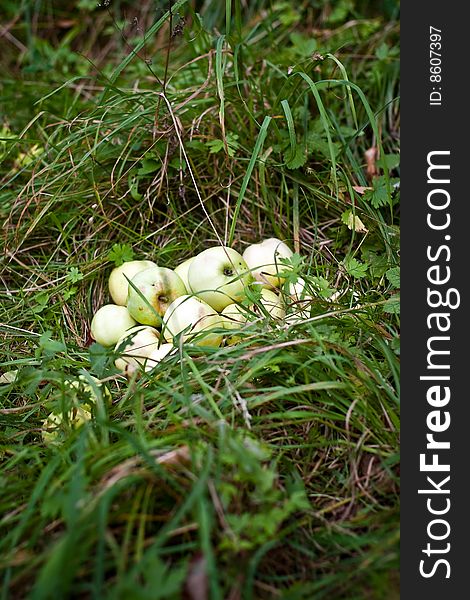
(203, 300)
(200, 301)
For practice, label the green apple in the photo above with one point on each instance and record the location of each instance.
(118, 284)
(301, 301)
(272, 303)
(190, 312)
(151, 292)
(182, 270)
(109, 323)
(219, 276)
(54, 427)
(158, 355)
(234, 318)
(134, 347)
(234, 315)
(263, 261)
(82, 386)
(298, 291)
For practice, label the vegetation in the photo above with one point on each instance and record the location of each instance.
(267, 469)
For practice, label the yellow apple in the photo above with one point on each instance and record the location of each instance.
(109, 323)
(272, 303)
(263, 261)
(182, 270)
(192, 313)
(118, 284)
(219, 276)
(82, 386)
(151, 292)
(54, 426)
(158, 355)
(301, 301)
(234, 318)
(134, 348)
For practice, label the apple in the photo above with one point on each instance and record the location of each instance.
(158, 355)
(234, 318)
(298, 291)
(182, 270)
(118, 284)
(219, 276)
(301, 301)
(272, 303)
(54, 429)
(234, 315)
(151, 292)
(82, 385)
(109, 323)
(263, 261)
(193, 313)
(134, 347)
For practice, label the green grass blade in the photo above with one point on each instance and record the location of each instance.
(325, 122)
(290, 128)
(348, 88)
(246, 179)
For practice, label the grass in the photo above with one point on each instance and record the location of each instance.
(266, 469)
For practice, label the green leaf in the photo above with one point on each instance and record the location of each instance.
(382, 51)
(74, 275)
(317, 142)
(42, 300)
(48, 346)
(392, 161)
(100, 359)
(355, 268)
(395, 345)
(232, 143)
(392, 306)
(303, 46)
(393, 275)
(296, 261)
(133, 182)
(288, 15)
(340, 11)
(322, 287)
(218, 145)
(378, 196)
(178, 164)
(294, 265)
(378, 263)
(215, 146)
(196, 145)
(299, 159)
(149, 165)
(71, 291)
(120, 253)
